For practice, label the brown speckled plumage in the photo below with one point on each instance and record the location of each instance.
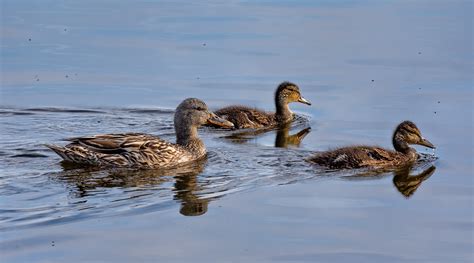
(369, 156)
(245, 117)
(138, 150)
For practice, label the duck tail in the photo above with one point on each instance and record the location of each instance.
(59, 150)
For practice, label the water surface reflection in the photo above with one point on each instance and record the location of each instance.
(406, 179)
(283, 138)
(407, 183)
(87, 182)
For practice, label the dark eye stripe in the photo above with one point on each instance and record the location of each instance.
(293, 89)
(412, 130)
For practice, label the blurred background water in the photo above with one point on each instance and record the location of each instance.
(71, 68)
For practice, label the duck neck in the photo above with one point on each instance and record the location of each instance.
(400, 144)
(188, 138)
(283, 113)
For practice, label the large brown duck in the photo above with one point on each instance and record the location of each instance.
(245, 117)
(139, 150)
(405, 134)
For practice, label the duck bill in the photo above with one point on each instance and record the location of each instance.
(304, 101)
(426, 143)
(220, 122)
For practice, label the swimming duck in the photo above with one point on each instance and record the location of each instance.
(245, 117)
(372, 156)
(139, 150)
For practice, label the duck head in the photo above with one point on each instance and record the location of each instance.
(288, 92)
(407, 133)
(194, 113)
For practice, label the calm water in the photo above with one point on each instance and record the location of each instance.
(71, 68)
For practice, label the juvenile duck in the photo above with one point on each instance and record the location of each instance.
(371, 156)
(139, 150)
(245, 117)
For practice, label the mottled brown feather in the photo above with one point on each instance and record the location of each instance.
(127, 149)
(359, 156)
(245, 117)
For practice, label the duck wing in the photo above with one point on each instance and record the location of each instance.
(374, 156)
(355, 157)
(118, 143)
(123, 150)
(246, 117)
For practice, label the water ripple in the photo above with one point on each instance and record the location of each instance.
(33, 176)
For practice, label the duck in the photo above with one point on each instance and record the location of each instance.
(405, 134)
(140, 150)
(244, 117)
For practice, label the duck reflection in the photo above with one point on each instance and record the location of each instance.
(406, 183)
(191, 204)
(86, 182)
(283, 137)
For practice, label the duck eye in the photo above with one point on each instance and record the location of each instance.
(200, 109)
